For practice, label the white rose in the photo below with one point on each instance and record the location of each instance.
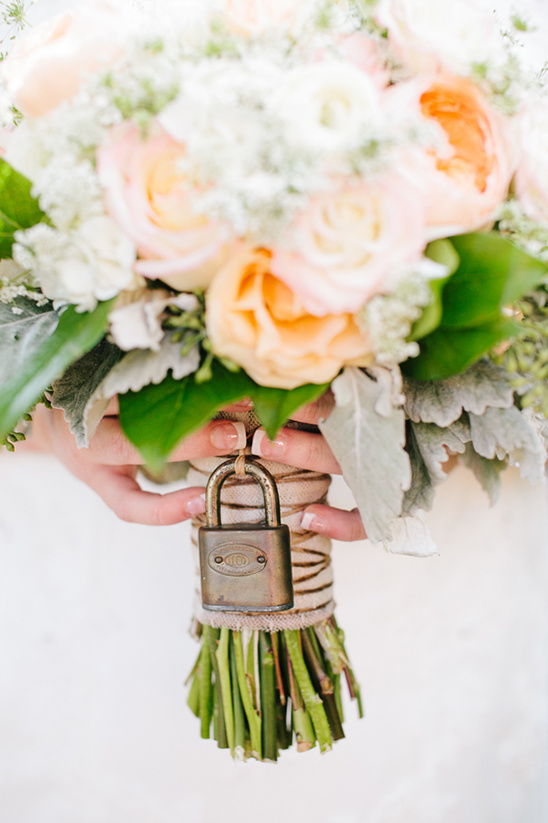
(189, 21)
(532, 174)
(93, 263)
(429, 34)
(137, 322)
(328, 106)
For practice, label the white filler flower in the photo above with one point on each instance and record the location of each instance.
(90, 264)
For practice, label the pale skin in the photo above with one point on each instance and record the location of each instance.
(110, 465)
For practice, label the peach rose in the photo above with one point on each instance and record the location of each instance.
(364, 52)
(352, 243)
(257, 321)
(151, 199)
(470, 161)
(49, 62)
(255, 17)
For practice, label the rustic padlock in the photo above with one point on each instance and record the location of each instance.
(245, 567)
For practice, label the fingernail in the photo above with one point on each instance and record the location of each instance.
(228, 436)
(313, 523)
(264, 447)
(196, 505)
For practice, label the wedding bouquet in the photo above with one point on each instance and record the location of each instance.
(267, 199)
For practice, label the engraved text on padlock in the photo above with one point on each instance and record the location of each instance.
(245, 567)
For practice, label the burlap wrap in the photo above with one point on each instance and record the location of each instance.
(242, 502)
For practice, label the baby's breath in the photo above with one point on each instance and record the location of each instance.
(388, 319)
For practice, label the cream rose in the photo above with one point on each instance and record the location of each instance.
(428, 34)
(352, 243)
(151, 199)
(328, 106)
(257, 321)
(470, 156)
(255, 17)
(50, 61)
(531, 182)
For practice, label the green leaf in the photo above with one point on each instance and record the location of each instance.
(18, 209)
(447, 352)
(41, 361)
(432, 314)
(156, 418)
(492, 274)
(444, 253)
(274, 406)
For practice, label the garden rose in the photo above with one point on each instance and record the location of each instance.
(470, 158)
(364, 52)
(148, 194)
(257, 321)
(329, 105)
(50, 61)
(255, 17)
(428, 35)
(350, 244)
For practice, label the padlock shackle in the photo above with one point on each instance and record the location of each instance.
(225, 470)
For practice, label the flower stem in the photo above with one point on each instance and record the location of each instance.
(219, 728)
(222, 655)
(253, 718)
(193, 698)
(268, 699)
(279, 678)
(322, 682)
(312, 701)
(206, 701)
(239, 718)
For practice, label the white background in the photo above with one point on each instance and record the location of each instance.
(451, 652)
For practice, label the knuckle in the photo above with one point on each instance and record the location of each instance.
(124, 512)
(314, 452)
(356, 530)
(118, 449)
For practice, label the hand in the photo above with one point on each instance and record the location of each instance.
(306, 450)
(110, 465)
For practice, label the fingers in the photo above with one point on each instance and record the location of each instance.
(320, 409)
(119, 489)
(109, 445)
(301, 449)
(335, 523)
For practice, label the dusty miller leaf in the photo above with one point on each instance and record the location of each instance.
(369, 448)
(22, 333)
(137, 369)
(73, 390)
(443, 401)
(44, 360)
(411, 535)
(429, 447)
(505, 433)
(486, 471)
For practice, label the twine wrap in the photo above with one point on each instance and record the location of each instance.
(242, 502)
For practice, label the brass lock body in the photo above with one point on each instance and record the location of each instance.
(245, 567)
